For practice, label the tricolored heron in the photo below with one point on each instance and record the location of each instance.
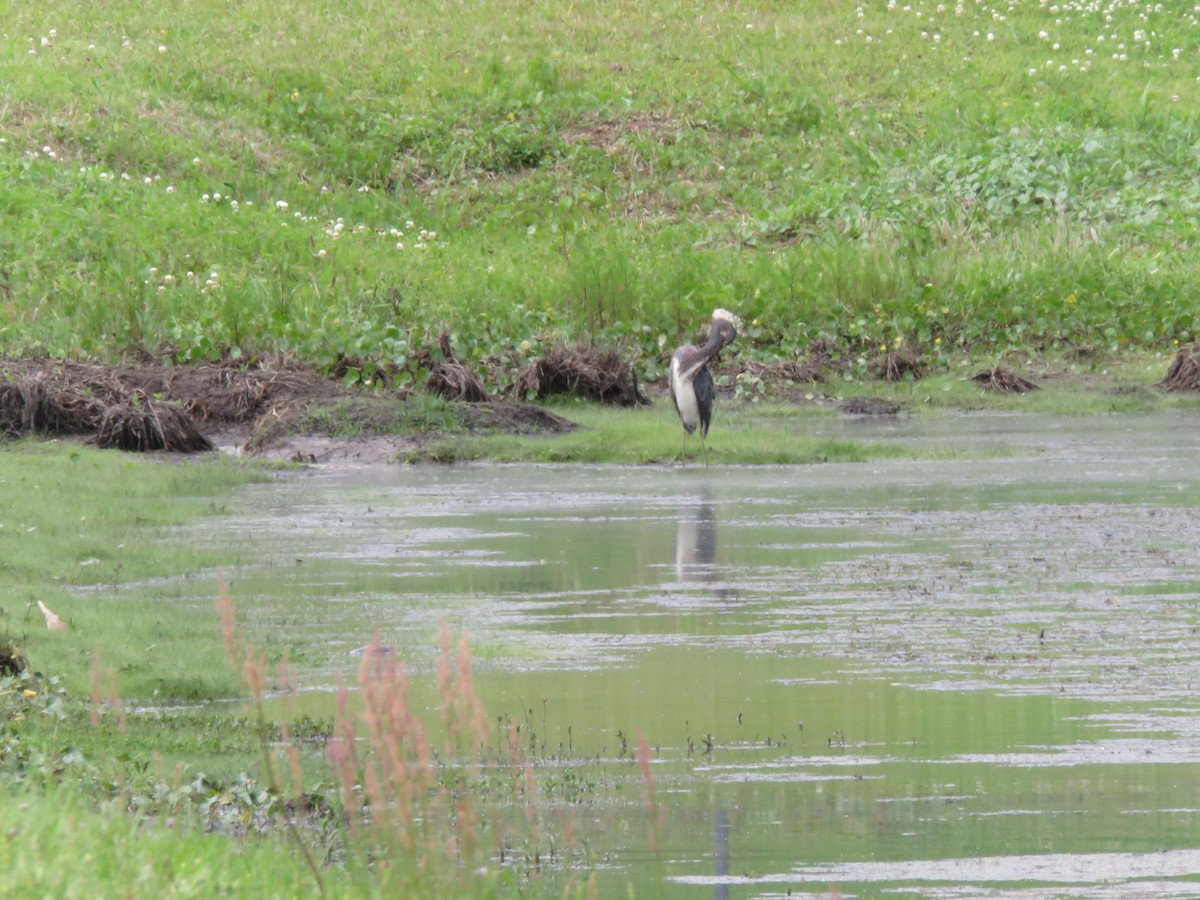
(692, 387)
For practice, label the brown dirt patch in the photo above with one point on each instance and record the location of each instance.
(612, 134)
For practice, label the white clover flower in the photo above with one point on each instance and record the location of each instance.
(321, 252)
(217, 197)
(281, 204)
(162, 48)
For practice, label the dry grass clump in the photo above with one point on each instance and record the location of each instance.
(42, 402)
(1005, 381)
(595, 373)
(1184, 372)
(151, 406)
(143, 425)
(895, 365)
(808, 371)
(449, 378)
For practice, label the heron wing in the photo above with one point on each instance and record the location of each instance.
(706, 392)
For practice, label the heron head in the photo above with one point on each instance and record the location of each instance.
(726, 325)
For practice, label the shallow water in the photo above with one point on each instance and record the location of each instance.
(973, 677)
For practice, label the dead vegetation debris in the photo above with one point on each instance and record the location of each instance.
(594, 373)
(143, 425)
(12, 660)
(260, 404)
(1005, 381)
(450, 378)
(805, 371)
(895, 366)
(1183, 374)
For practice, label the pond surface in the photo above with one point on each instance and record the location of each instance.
(963, 678)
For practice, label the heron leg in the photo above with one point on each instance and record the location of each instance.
(704, 447)
(683, 448)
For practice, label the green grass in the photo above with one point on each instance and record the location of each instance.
(742, 434)
(89, 533)
(985, 182)
(203, 180)
(61, 845)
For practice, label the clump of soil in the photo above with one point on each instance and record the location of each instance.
(1184, 372)
(594, 373)
(869, 406)
(514, 417)
(1005, 381)
(894, 366)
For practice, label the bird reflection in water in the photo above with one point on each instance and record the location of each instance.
(696, 540)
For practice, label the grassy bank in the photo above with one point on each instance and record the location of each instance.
(120, 774)
(342, 183)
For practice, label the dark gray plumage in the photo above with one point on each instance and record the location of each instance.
(692, 387)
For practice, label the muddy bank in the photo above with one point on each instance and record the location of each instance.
(277, 408)
(270, 408)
